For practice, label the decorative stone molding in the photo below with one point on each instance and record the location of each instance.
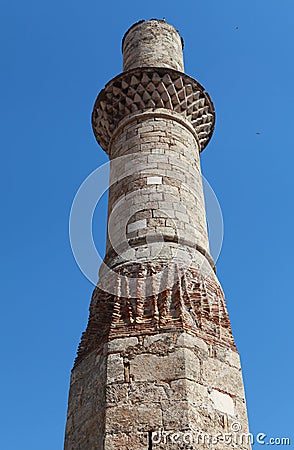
(144, 89)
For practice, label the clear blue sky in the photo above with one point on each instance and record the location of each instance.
(55, 58)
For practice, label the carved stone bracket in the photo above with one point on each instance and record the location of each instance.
(144, 89)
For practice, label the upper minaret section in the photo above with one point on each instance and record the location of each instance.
(153, 82)
(144, 37)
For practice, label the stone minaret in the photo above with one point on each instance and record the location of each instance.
(157, 366)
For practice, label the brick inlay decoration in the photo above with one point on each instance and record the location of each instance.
(195, 303)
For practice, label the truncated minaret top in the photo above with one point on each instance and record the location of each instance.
(153, 78)
(152, 43)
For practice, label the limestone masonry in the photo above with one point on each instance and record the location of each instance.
(157, 367)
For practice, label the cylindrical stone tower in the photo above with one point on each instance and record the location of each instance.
(157, 366)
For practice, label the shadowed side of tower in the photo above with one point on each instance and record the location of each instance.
(157, 359)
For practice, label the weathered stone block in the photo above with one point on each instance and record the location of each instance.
(182, 363)
(222, 376)
(176, 416)
(120, 344)
(126, 441)
(134, 226)
(190, 341)
(222, 402)
(142, 418)
(154, 180)
(115, 368)
(146, 392)
(116, 393)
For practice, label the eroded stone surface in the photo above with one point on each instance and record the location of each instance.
(166, 382)
(222, 402)
(139, 51)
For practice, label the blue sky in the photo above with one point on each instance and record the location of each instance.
(56, 57)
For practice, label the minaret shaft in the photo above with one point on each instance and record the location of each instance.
(158, 164)
(158, 357)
